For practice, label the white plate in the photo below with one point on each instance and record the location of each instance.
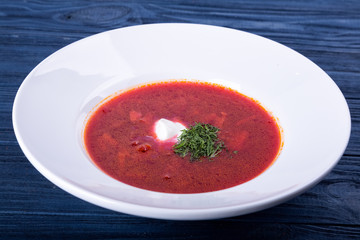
(52, 102)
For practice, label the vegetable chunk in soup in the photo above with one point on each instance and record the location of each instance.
(121, 140)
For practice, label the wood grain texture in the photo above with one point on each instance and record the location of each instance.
(327, 32)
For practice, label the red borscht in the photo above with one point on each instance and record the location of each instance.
(119, 137)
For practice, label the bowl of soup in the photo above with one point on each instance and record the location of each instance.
(181, 121)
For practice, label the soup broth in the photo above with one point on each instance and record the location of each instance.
(120, 139)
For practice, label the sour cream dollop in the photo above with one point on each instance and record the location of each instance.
(167, 130)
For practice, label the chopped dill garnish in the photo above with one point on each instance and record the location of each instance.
(199, 140)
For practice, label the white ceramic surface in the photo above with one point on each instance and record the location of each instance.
(53, 101)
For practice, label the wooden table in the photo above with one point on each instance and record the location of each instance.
(31, 207)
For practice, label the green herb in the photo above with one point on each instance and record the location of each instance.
(199, 140)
